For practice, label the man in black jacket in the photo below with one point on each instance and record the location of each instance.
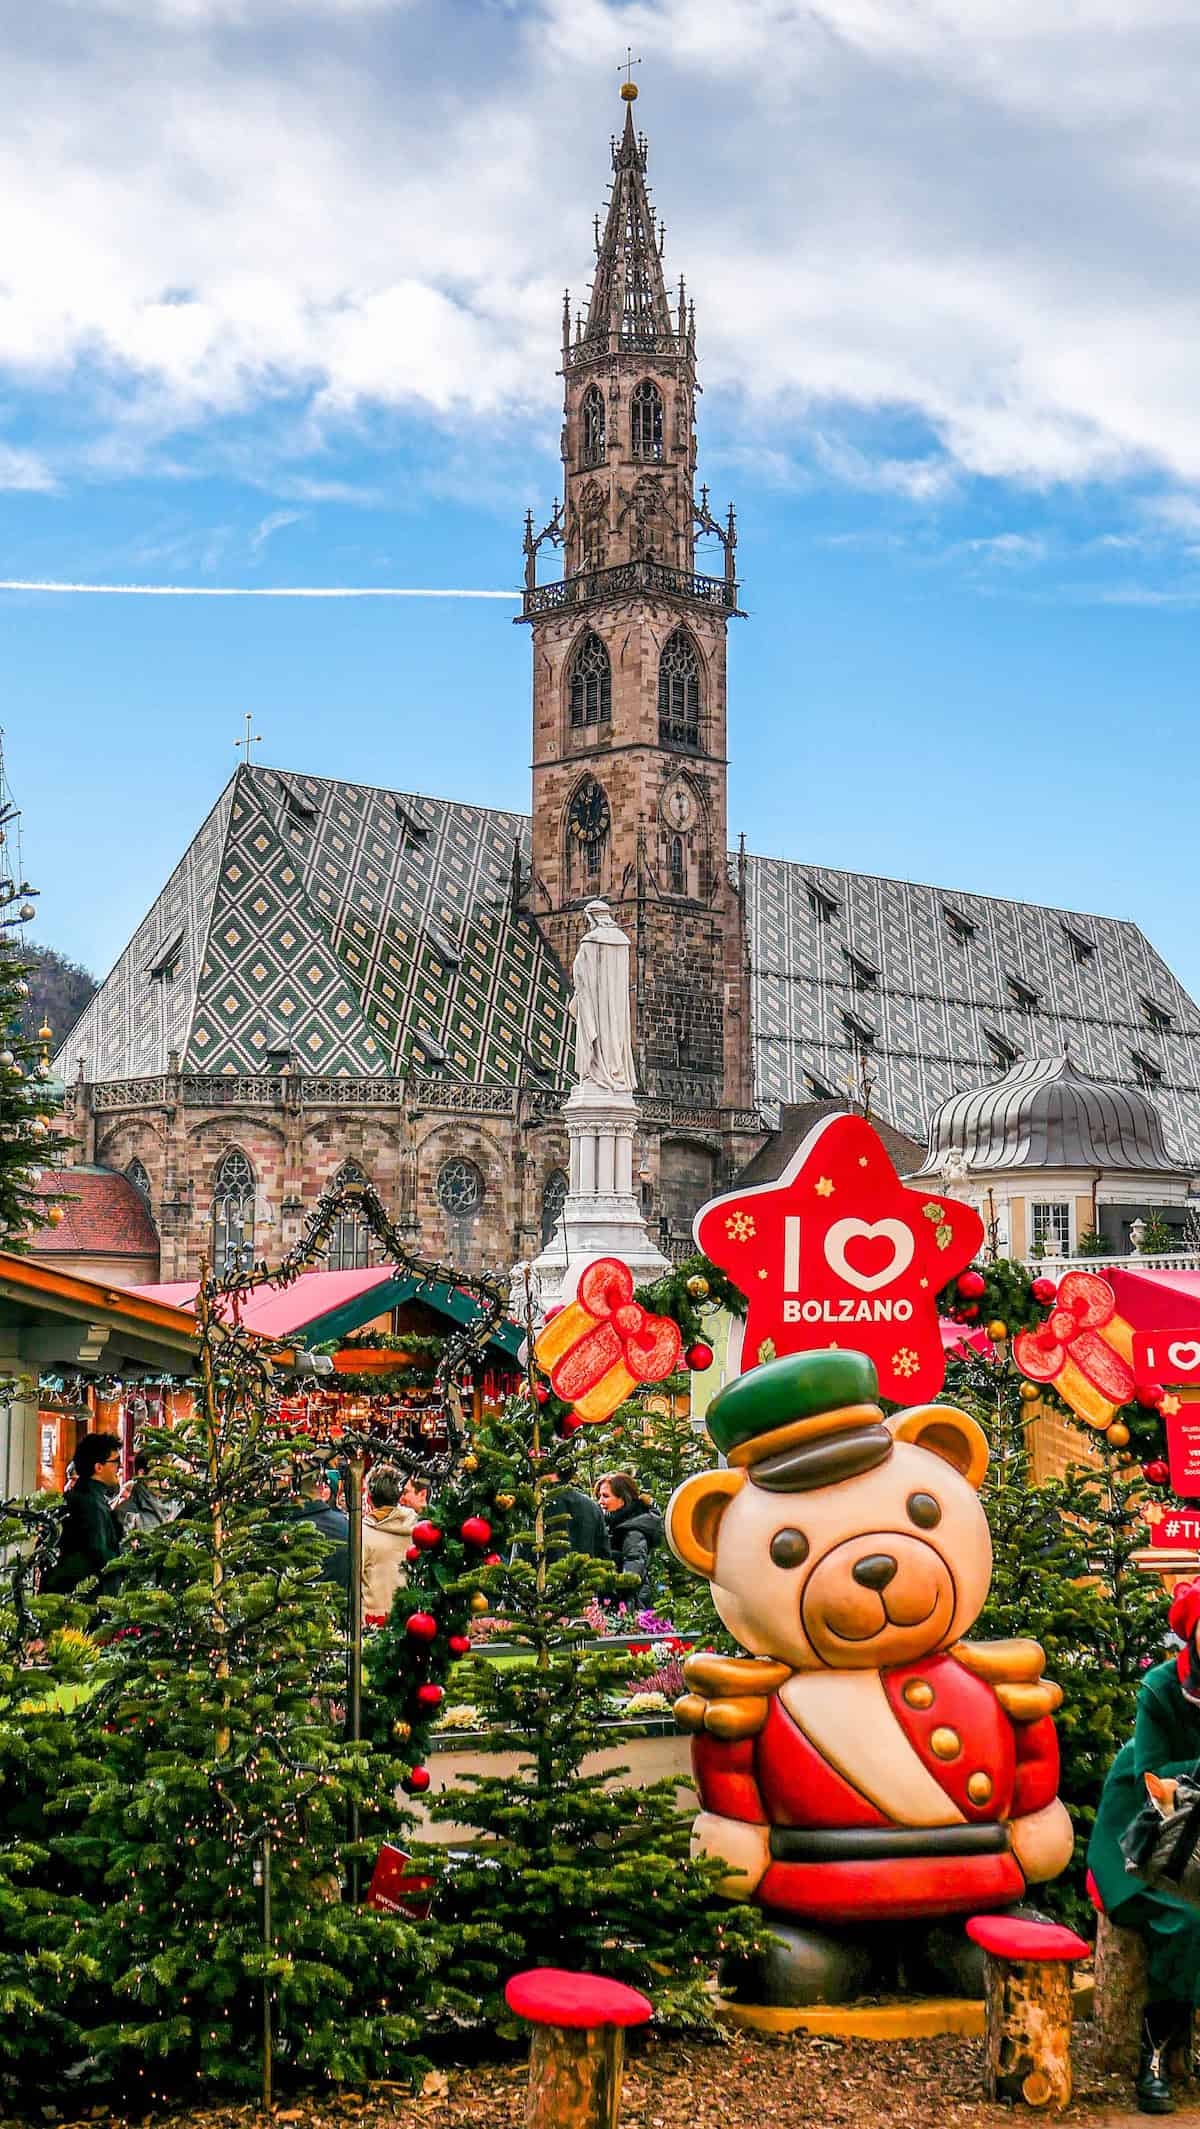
(575, 1523)
(330, 1523)
(90, 1538)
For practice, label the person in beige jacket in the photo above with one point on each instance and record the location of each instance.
(387, 1535)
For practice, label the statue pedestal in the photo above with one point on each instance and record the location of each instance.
(601, 1216)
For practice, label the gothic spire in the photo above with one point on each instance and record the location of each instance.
(629, 299)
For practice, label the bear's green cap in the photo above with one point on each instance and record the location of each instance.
(801, 1386)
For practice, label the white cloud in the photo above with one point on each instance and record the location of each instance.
(25, 470)
(981, 217)
(277, 521)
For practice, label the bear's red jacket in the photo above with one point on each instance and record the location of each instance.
(836, 1856)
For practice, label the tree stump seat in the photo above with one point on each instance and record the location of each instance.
(575, 2061)
(1027, 1997)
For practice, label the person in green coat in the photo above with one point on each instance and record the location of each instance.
(1166, 1742)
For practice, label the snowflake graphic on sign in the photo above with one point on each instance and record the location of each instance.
(840, 1252)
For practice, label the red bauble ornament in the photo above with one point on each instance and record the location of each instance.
(541, 1391)
(430, 1695)
(491, 1559)
(426, 1534)
(968, 1313)
(699, 1356)
(1156, 1472)
(1150, 1394)
(1043, 1290)
(970, 1285)
(416, 1781)
(421, 1626)
(570, 1423)
(459, 1644)
(476, 1530)
(413, 1553)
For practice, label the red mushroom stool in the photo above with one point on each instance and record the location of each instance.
(1027, 1993)
(578, 2025)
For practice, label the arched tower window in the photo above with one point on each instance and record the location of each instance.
(592, 416)
(233, 1214)
(676, 866)
(349, 1245)
(591, 684)
(646, 418)
(554, 1197)
(679, 692)
(136, 1174)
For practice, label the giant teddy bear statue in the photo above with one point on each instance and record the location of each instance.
(863, 1765)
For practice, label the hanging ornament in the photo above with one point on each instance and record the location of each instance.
(1118, 1434)
(413, 1554)
(492, 1559)
(970, 1285)
(1043, 1290)
(541, 1391)
(402, 1731)
(1149, 1394)
(997, 1331)
(421, 1626)
(969, 1314)
(430, 1695)
(470, 1463)
(479, 1603)
(1029, 1393)
(426, 1534)
(569, 1424)
(459, 1644)
(56, 1215)
(1157, 1472)
(417, 1780)
(697, 1286)
(7, 1060)
(476, 1530)
(505, 1501)
(699, 1356)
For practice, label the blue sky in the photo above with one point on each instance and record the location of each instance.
(280, 285)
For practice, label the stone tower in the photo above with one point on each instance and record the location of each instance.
(629, 753)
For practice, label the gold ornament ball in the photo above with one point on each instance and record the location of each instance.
(1118, 1434)
(470, 1463)
(402, 1731)
(56, 1215)
(629, 91)
(479, 1602)
(1030, 1392)
(697, 1286)
(996, 1329)
(505, 1501)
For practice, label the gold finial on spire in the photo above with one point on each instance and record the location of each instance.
(629, 88)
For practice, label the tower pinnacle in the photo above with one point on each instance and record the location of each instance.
(628, 306)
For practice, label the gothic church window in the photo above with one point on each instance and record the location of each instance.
(349, 1245)
(646, 417)
(592, 411)
(554, 1197)
(459, 1188)
(679, 692)
(233, 1214)
(591, 684)
(136, 1174)
(677, 876)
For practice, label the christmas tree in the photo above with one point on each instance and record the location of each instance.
(216, 1845)
(575, 1872)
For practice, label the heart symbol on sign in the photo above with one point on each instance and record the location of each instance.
(845, 1231)
(1183, 1356)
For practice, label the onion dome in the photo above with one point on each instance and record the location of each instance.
(1047, 1114)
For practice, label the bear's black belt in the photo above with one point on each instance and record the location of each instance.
(871, 1844)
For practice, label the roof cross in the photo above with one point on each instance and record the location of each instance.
(251, 738)
(629, 86)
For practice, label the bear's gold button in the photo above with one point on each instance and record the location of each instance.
(918, 1693)
(979, 1787)
(945, 1744)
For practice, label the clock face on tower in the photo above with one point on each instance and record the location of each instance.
(678, 807)
(588, 816)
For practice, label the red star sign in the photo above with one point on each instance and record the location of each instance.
(840, 1252)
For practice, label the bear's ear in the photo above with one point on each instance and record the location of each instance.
(947, 1433)
(694, 1512)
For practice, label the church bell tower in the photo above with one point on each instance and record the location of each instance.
(629, 648)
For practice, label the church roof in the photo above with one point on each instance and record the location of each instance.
(929, 992)
(366, 931)
(1046, 1114)
(105, 1215)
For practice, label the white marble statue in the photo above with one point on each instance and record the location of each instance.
(603, 1050)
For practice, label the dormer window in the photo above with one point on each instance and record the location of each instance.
(1082, 949)
(960, 928)
(822, 905)
(862, 975)
(1149, 1071)
(440, 945)
(1023, 995)
(818, 1088)
(413, 829)
(165, 964)
(861, 1033)
(1157, 1016)
(1003, 1050)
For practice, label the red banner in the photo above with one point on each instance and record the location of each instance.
(1183, 1450)
(1166, 1356)
(1176, 1533)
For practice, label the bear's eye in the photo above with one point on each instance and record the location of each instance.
(789, 1548)
(923, 1510)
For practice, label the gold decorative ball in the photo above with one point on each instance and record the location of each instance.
(997, 1330)
(479, 1603)
(697, 1286)
(402, 1731)
(470, 1463)
(629, 91)
(1030, 1392)
(56, 1215)
(506, 1501)
(1118, 1434)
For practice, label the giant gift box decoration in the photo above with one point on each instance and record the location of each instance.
(599, 1347)
(839, 1252)
(1084, 1348)
(863, 1762)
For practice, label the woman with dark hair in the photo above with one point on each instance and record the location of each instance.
(90, 1537)
(1166, 1743)
(635, 1529)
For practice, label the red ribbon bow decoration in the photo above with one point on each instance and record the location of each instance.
(1084, 1348)
(604, 1343)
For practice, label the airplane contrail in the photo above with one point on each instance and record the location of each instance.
(255, 591)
